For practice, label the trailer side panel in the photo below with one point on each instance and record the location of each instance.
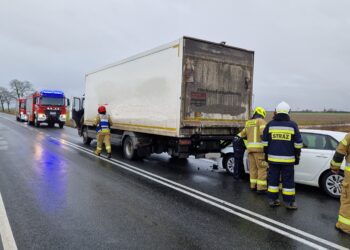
(141, 95)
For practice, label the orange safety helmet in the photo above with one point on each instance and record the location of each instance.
(102, 109)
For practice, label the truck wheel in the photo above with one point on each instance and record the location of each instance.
(86, 140)
(129, 151)
(36, 123)
(228, 163)
(331, 183)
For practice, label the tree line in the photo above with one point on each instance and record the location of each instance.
(16, 89)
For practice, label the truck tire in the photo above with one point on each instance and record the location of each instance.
(129, 151)
(331, 183)
(86, 139)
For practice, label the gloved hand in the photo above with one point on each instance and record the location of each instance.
(266, 157)
(335, 171)
(236, 139)
(297, 160)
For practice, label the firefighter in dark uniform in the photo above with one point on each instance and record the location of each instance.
(282, 146)
(238, 154)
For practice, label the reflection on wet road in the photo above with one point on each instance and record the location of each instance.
(51, 171)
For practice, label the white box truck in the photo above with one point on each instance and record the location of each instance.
(188, 97)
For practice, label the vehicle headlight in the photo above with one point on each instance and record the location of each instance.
(63, 117)
(21, 112)
(41, 117)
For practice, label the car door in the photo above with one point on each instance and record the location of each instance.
(316, 155)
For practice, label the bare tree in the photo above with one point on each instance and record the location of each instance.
(8, 98)
(20, 88)
(2, 98)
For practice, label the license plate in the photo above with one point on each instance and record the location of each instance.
(52, 113)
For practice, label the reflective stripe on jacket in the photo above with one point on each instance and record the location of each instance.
(102, 123)
(282, 139)
(252, 131)
(343, 150)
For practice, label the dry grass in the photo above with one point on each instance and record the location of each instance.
(12, 111)
(320, 120)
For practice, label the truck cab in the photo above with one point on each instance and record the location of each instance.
(47, 106)
(21, 114)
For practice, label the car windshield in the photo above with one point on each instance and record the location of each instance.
(22, 105)
(54, 101)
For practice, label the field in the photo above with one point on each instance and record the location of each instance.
(317, 120)
(320, 120)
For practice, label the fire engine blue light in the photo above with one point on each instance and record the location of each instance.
(52, 93)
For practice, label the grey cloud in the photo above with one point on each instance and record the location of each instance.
(302, 47)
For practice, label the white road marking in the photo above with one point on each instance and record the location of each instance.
(8, 241)
(224, 205)
(3, 144)
(216, 202)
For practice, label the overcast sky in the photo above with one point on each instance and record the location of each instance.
(302, 47)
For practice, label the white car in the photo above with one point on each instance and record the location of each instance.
(316, 155)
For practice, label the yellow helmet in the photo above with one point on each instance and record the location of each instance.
(260, 111)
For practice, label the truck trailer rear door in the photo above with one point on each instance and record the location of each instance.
(217, 82)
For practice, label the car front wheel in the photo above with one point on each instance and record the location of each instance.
(331, 183)
(228, 162)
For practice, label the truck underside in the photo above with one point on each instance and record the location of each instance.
(139, 145)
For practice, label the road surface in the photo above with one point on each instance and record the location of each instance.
(57, 195)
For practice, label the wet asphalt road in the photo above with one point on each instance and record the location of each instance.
(59, 197)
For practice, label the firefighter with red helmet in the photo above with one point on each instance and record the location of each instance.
(103, 123)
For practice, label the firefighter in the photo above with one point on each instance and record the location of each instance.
(103, 123)
(238, 154)
(257, 166)
(343, 150)
(282, 146)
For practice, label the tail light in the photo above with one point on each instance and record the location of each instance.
(185, 142)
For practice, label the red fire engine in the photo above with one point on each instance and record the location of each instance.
(47, 106)
(21, 114)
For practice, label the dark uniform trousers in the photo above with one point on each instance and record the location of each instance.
(286, 172)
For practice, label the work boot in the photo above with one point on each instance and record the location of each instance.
(291, 205)
(339, 230)
(98, 154)
(253, 189)
(261, 191)
(274, 203)
(109, 155)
